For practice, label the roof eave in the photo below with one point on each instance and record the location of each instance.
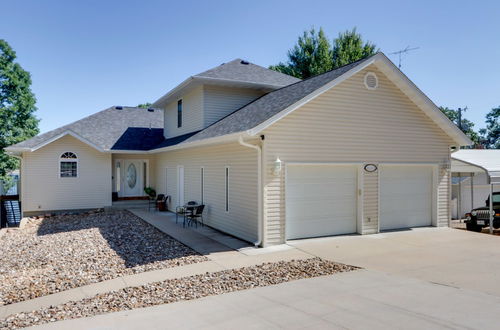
(203, 142)
(189, 82)
(54, 138)
(422, 101)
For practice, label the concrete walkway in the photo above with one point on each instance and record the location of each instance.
(355, 300)
(221, 257)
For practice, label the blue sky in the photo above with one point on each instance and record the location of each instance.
(85, 56)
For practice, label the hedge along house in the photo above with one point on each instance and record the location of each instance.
(358, 149)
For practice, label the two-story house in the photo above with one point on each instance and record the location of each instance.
(358, 149)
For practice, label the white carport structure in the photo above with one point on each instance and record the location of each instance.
(469, 162)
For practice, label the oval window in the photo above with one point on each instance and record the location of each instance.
(131, 175)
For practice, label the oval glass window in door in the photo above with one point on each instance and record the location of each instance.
(131, 175)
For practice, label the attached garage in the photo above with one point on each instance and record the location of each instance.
(321, 200)
(406, 194)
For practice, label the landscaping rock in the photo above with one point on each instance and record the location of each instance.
(187, 288)
(63, 252)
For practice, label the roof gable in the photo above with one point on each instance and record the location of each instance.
(236, 73)
(100, 130)
(268, 109)
(244, 71)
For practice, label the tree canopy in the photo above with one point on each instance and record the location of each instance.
(349, 47)
(144, 105)
(314, 54)
(17, 107)
(466, 126)
(491, 134)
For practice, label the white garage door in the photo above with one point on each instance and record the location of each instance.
(320, 200)
(405, 196)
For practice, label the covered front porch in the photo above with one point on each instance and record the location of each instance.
(131, 174)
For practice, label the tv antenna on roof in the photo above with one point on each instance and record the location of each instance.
(402, 52)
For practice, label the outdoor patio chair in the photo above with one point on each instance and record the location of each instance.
(160, 202)
(196, 216)
(185, 211)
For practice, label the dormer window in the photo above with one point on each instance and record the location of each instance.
(179, 113)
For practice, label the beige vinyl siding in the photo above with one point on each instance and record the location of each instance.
(352, 124)
(241, 220)
(192, 114)
(220, 101)
(370, 203)
(124, 157)
(43, 187)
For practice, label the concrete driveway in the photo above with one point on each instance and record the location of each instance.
(444, 256)
(420, 279)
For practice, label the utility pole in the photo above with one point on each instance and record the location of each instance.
(459, 119)
(402, 52)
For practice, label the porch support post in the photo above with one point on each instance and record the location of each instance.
(491, 207)
(472, 191)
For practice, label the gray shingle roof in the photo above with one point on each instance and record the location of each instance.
(243, 71)
(124, 129)
(268, 105)
(103, 128)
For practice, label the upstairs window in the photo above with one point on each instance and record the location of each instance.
(179, 113)
(68, 165)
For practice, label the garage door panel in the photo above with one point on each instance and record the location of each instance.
(405, 196)
(320, 200)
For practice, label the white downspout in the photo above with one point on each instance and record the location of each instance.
(259, 187)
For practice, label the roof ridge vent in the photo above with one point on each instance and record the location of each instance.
(244, 62)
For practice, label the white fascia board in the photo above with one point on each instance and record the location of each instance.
(205, 142)
(236, 83)
(421, 100)
(259, 128)
(162, 100)
(16, 149)
(57, 137)
(119, 151)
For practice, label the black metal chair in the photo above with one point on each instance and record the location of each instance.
(196, 216)
(160, 199)
(185, 211)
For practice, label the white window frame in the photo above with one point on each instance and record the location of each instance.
(226, 189)
(202, 184)
(69, 160)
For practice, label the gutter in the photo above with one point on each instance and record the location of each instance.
(259, 187)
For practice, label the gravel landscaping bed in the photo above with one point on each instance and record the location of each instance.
(186, 288)
(67, 251)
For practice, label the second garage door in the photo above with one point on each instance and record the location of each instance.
(405, 196)
(320, 200)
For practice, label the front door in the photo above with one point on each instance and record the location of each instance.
(132, 178)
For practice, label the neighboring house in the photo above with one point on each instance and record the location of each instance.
(472, 173)
(355, 150)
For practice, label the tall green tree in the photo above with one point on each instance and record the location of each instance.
(311, 55)
(491, 135)
(17, 107)
(314, 54)
(466, 126)
(349, 47)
